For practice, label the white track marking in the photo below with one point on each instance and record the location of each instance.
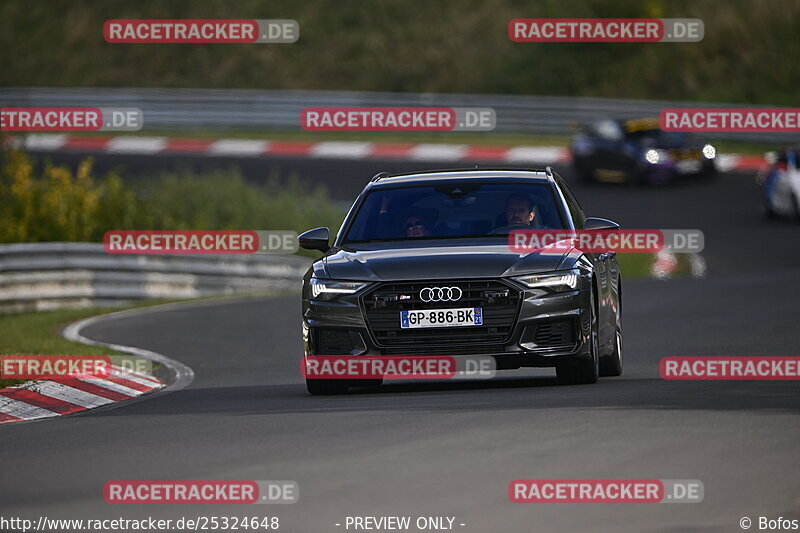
(23, 410)
(59, 391)
(136, 145)
(116, 387)
(438, 152)
(238, 147)
(535, 154)
(135, 379)
(341, 150)
(43, 141)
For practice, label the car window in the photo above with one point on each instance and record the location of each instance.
(606, 129)
(454, 209)
(578, 216)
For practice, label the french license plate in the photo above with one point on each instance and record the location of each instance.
(441, 318)
(688, 166)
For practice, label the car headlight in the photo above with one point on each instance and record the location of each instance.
(709, 152)
(561, 281)
(325, 288)
(655, 157)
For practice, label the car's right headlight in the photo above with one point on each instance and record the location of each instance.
(326, 288)
(557, 281)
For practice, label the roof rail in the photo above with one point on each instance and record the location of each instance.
(378, 176)
(549, 171)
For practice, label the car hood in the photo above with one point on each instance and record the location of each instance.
(439, 262)
(671, 144)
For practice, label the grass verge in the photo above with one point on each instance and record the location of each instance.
(39, 333)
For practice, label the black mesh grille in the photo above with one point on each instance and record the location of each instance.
(331, 341)
(559, 334)
(499, 301)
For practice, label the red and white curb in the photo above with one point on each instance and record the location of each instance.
(45, 398)
(134, 145)
(63, 396)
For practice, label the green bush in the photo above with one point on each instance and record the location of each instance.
(55, 204)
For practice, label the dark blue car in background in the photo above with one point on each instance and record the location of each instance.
(637, 151)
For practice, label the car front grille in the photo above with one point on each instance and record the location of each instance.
(499, 301)
(680, 154)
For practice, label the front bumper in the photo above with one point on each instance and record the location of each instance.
(547, 328)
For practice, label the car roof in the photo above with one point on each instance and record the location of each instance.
(388, 180)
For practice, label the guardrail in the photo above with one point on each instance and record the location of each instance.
(41, 276)
(239, 109)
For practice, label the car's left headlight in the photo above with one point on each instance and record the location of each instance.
(654, 156)
(557, 281)
(326, 288)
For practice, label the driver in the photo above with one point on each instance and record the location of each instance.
(416, 227)
(418, 223)
(519, 210)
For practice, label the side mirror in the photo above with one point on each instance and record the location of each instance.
(315, 239)
(593, 224)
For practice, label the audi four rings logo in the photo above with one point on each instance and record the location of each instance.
(440, 294)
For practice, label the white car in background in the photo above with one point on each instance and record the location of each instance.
(780, 183)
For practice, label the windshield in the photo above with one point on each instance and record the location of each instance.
(673, 137)
(453, 210)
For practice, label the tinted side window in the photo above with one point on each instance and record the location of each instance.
(578, 217)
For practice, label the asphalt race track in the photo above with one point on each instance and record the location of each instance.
(451, 449)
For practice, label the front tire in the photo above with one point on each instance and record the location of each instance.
(611, 365)
(584, 371)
